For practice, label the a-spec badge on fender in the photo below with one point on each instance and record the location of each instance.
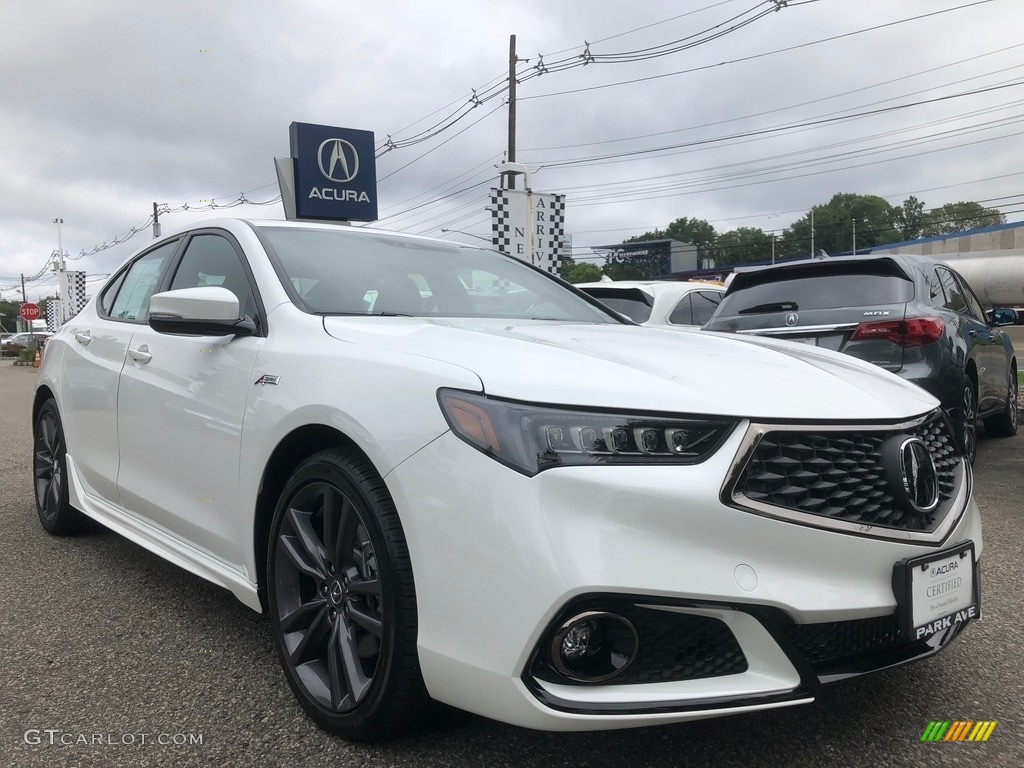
(268, 378)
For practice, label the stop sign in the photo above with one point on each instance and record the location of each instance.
(29, 311)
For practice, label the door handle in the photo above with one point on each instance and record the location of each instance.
(140, 355)
(83, 337)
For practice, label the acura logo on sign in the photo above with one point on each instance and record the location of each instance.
(338, 160)
(920, 478)
(792, 318)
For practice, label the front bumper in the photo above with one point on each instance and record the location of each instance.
(499, 557)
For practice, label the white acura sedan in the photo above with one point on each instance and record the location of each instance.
(446, 474)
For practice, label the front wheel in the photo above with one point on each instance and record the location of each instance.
(968, 421)
(342, 600)
(50, 475)
(1004, 424)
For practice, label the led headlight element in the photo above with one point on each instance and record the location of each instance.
(531, 438)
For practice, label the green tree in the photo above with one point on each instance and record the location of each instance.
(910, 218)
(743, 246)
(581, 272)
(834, 223)
(956, 217)
(694, 231)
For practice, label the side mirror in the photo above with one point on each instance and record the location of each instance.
(205, 311)
(1003, 316)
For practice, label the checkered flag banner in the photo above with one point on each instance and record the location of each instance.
(53, 315)
(76, 293)
(519, 221)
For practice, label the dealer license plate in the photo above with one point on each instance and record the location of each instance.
(803, 339)
(938, 591)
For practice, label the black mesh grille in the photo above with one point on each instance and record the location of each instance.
(839, 645)
(840, 475)
(677, 646)
(673, 646)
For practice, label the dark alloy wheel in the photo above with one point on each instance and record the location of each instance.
(342, 600)
(1004, 424)
(969, 421)
(49, 470)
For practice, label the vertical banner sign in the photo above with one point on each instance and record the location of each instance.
(53, 320)
(335, 173)
(530, 226)
(75, 294)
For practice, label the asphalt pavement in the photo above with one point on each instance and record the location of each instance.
(110, 656)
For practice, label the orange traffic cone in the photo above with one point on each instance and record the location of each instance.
(38, 360)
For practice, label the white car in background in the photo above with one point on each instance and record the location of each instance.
(659, 302)
(443, 473)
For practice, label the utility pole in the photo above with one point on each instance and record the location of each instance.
(156, 221)
(854, 237)
(773, 247)
(62, 281)
(510, 179)
(24, 300)
(812, 231)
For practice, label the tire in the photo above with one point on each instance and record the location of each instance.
(1004, 424)
(967, 420)
(50, 475)
(342, 600)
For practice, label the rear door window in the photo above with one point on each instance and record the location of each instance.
(140, 282)
(704, 305)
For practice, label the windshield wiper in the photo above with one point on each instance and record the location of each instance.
(774, 306)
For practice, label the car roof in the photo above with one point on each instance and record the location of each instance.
(654, 287)
(231, 224)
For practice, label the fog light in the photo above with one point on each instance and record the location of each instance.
(577, 640)
(594, 646)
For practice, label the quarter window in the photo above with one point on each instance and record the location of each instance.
(683, 313)
(139, 283)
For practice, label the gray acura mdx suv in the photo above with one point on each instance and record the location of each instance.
(911, 315)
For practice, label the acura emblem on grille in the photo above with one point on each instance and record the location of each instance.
(920, 478)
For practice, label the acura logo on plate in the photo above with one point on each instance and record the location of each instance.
(792, 318)
(920, 478)
(338, 160)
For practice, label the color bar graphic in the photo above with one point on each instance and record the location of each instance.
(958, 730)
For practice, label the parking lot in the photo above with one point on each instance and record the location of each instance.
(119, 658)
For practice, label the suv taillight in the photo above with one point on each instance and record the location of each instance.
(906, 333)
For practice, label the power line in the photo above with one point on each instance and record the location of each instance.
(755, 56)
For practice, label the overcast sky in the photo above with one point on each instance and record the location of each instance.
(106, 107)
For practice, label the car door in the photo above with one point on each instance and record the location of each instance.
(991, 351)
(181, 407)
(974, 332)
(92, 363)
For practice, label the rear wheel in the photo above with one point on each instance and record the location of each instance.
(968, 421)
(1004, 424)
(50, 473)
(342, 601)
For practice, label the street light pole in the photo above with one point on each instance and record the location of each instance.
(62, 278)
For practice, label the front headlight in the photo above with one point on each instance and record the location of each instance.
(532, 438)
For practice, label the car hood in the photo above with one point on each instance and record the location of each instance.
(645, 368)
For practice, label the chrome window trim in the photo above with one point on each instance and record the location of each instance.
(732, 497)
(798, 330)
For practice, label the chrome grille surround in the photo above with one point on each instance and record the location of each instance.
(763, 437)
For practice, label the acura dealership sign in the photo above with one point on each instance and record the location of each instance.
(333, 174)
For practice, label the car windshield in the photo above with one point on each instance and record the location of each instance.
(334, 272)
